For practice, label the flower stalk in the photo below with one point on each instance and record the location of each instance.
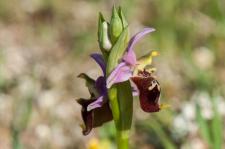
(123, 139)
(114, 93)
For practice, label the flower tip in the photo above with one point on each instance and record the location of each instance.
(101, 18)
(81, 75)
(152, 29)
(149, 29)
(93, 55)
(164, 106)
(84, 76)
(82, 126)
(155, 53)
(108, 84)
(89, 108)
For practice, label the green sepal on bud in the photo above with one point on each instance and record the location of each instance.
(100, 21)
(124, 22)
(116, 26)
(103, 36)
(122, 17)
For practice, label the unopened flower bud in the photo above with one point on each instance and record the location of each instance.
(103, 34)
(116, 26)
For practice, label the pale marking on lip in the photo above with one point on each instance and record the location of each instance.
(153, 84)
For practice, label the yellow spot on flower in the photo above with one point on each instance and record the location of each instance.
(94, 143)
(155, 53)
(164, 106)
(145, 61)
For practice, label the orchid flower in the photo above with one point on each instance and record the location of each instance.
(142, 81)
(95, 111)
(124, 76)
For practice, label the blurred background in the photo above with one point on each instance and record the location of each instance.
(45, 44)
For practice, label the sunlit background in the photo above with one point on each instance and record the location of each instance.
(45, 44)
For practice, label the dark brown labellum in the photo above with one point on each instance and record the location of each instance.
(149, 91)
(95, 117)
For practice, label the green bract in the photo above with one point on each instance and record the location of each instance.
(117, 51)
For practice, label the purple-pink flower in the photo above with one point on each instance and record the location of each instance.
(96, 110)
(144, 84)
(124, 70)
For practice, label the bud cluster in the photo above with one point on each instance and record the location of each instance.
(109, 32)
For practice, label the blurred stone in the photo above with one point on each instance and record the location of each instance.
(13, 56)
(205, 103)
(220, 104)
(30, 5)
(195, 143)
(48, 99)
(180, 127)
(65, 110)
(59, 138)
(5, 138)
(188, 111)
(203, 58)
(43, 132)
(28, 86)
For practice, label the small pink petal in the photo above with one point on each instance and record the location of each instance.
(96, 104)
(120, 74)
(138, 36)
(130, 58)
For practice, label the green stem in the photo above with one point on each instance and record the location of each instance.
(114, 105)
(115, 55)
(15, 139)
(122, 135)
(123, 139)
